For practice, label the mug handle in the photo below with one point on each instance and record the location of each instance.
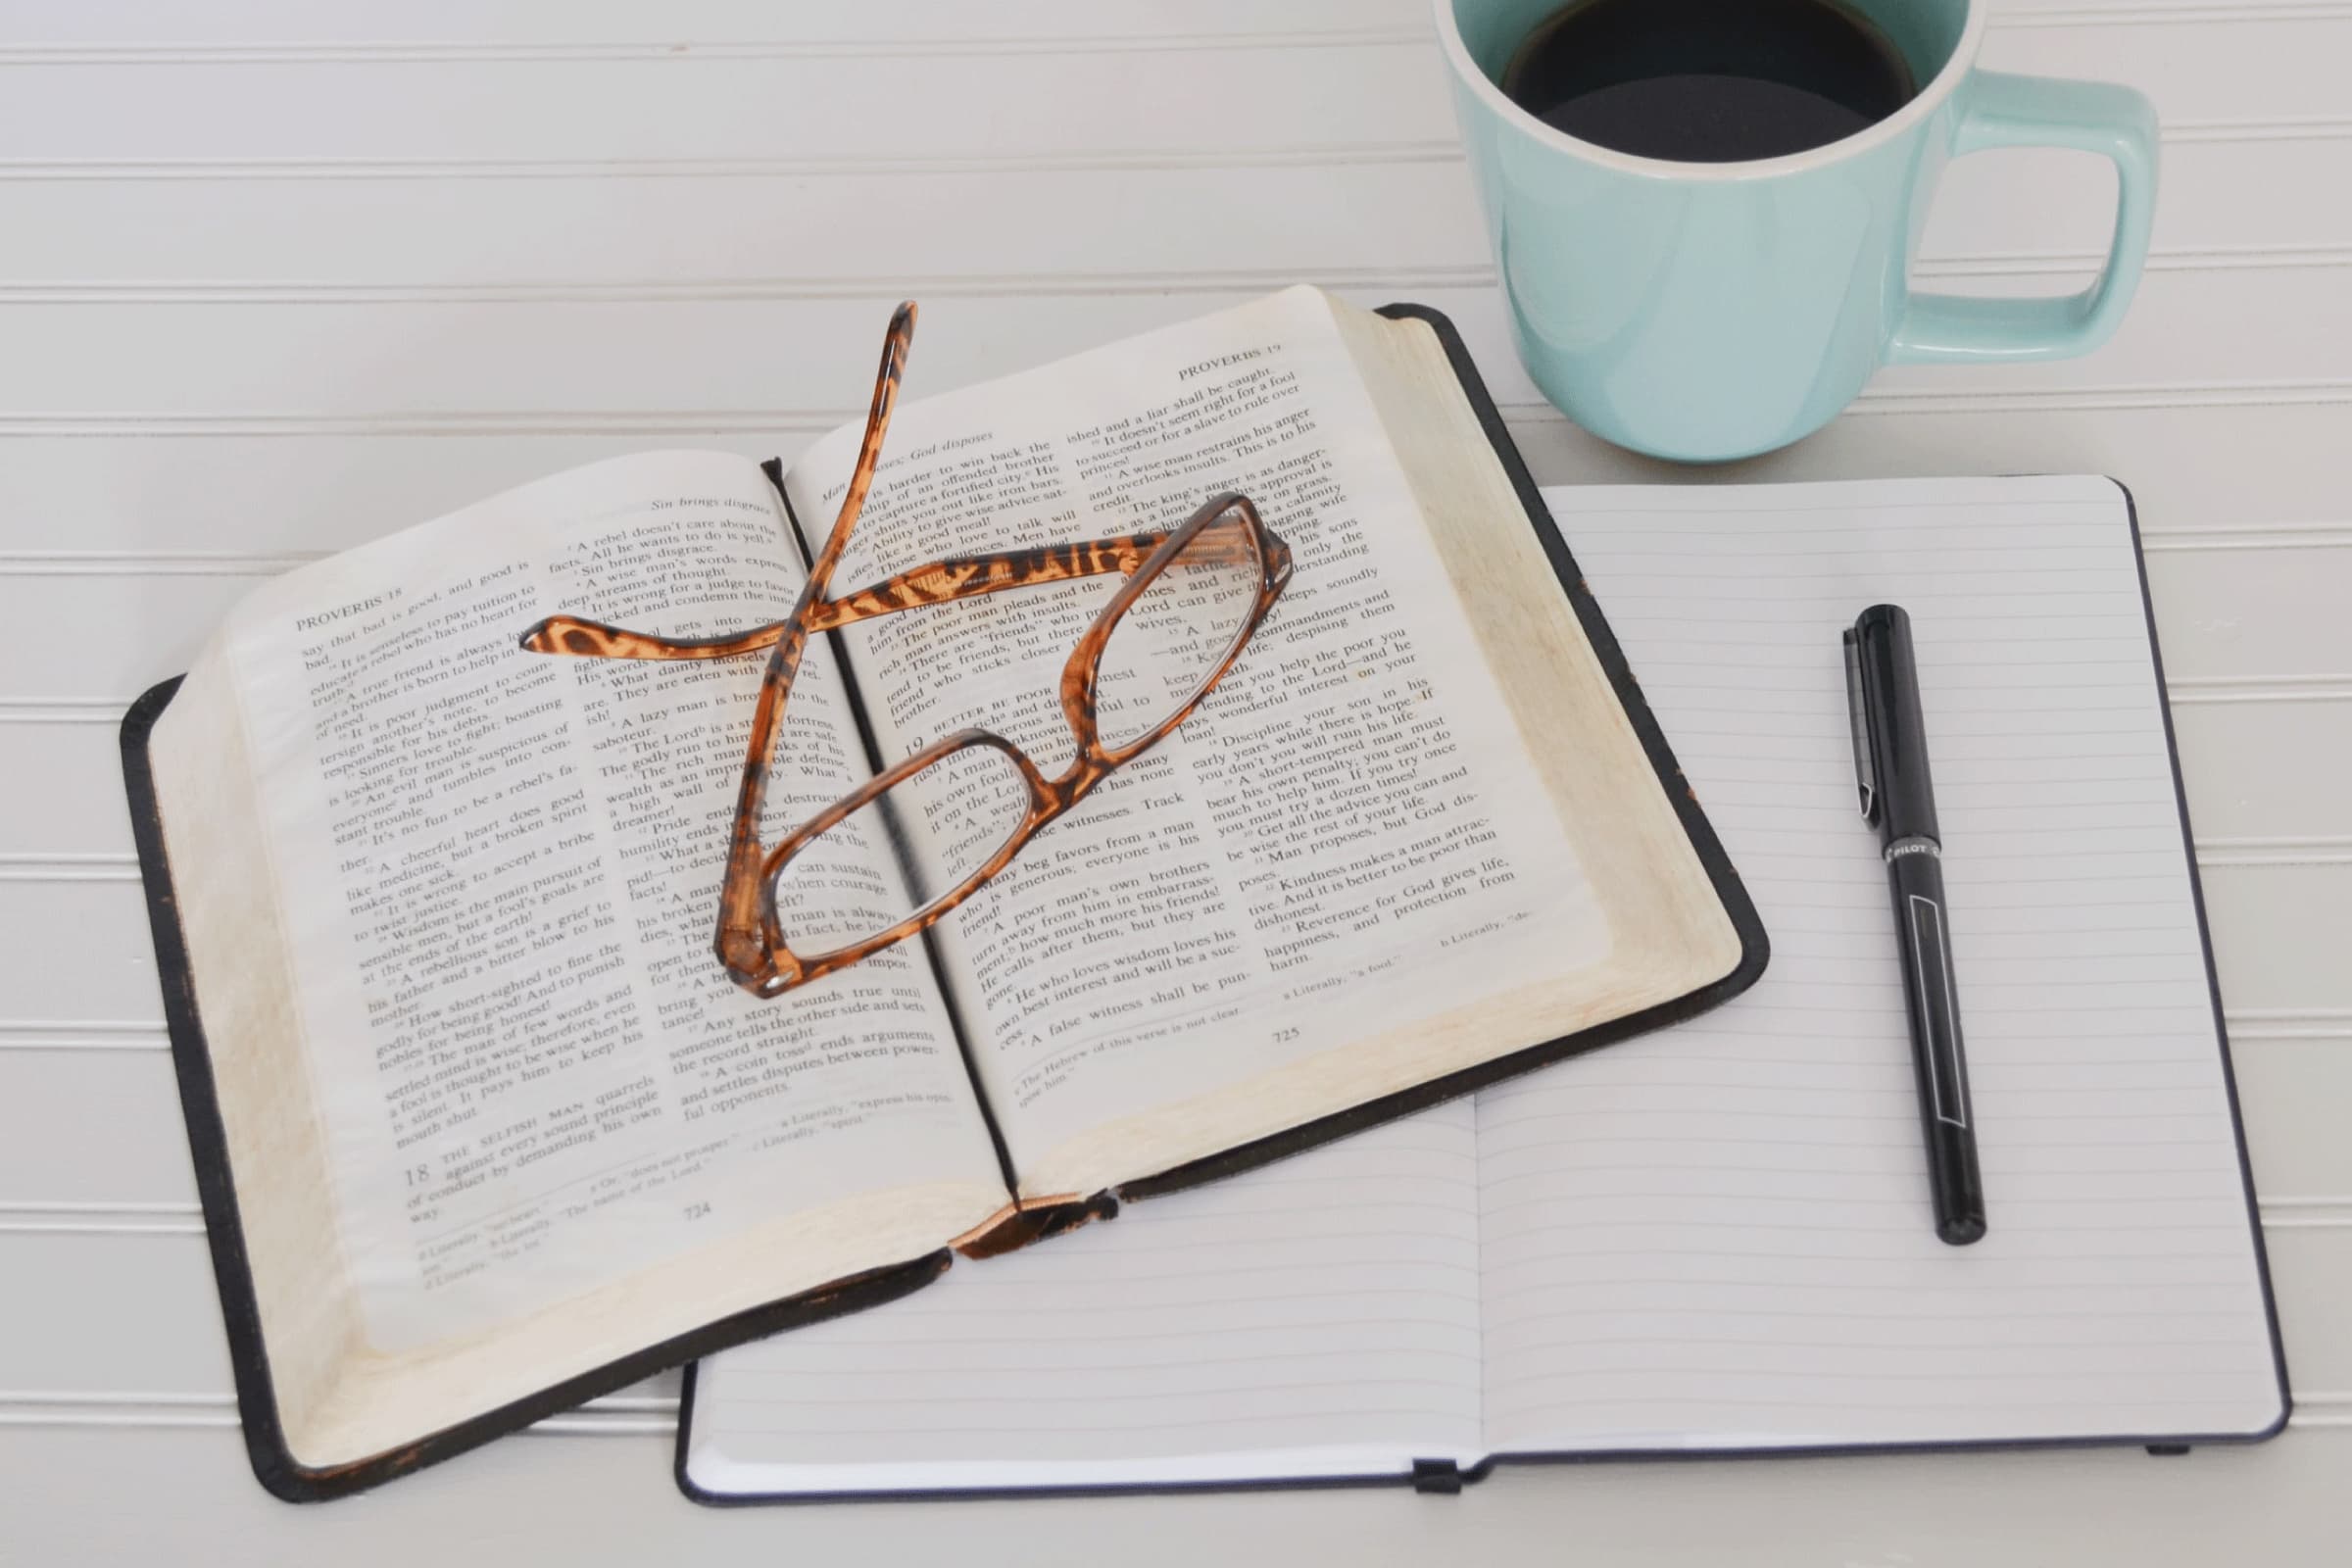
(2001, 109)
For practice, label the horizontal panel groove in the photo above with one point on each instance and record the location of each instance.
(2185, 690)
(1060, 161)
(179, 1217)
(434, 421)
(2175, 395)
(2163, 259)
(35, 1219)
(2274, 851)
(2318, 127)
(586, 1423)
(723, 290)
(612, 1404)
(2322, 850)
(1903, 397)
(582, 1424)
(108, 710)
(685, 53)
(970, 285)
(2289, 1024)
(148, 1420)
(615, 1415)
(96, 867)
(397, 51)
(147, 564)
(2150, 12)
(2209, 689)
(137, 1034)
(1431, 151)
(2338, 1217)
(74, 711)
(231, 564)
(2256, 536)
(762, 421)
(40, 1033)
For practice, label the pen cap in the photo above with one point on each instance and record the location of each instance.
(1899, 734)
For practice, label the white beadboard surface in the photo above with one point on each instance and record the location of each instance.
(280, 277)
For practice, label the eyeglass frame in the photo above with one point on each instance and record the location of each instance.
(751, 943)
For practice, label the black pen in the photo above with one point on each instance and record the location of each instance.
(1898, 798)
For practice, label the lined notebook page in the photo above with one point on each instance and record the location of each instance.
(1316, 1318)
(1719, 1236)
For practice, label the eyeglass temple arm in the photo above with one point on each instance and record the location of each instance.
(933, 583)
(747, 941)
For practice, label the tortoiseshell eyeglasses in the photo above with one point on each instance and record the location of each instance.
(956, 812)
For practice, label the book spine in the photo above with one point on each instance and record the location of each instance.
(1032, 1219)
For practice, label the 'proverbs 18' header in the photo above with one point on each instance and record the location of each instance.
(339, 612)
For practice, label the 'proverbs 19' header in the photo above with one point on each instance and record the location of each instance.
(1238, 357)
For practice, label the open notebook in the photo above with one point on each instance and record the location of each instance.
(1714, 1239)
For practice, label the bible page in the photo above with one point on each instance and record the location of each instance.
(1719, 1235)
(1347, 839)
(499, 877)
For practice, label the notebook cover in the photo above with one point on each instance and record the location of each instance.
(273, 1463)
(1431, 1475)
(2154, 1442)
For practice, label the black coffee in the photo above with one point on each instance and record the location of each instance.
(1708, 82)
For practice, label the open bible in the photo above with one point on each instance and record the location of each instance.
(482, 1129)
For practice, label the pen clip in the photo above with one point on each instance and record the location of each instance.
(1857, 703)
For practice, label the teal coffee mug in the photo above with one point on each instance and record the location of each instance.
(1705, 312)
